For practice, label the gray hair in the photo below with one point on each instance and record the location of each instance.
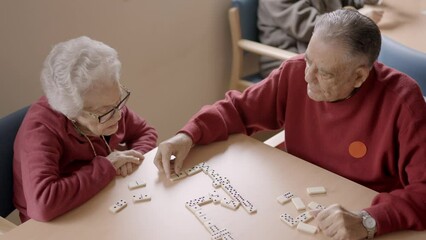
(72, 68)
(358, 32)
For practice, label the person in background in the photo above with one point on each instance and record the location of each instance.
(77, 137)
(288, 24)
(341, 110)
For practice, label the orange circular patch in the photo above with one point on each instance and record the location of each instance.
(357, 149)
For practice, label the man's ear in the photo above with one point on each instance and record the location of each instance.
(361, 74)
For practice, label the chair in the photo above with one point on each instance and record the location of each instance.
(9, 126)
(404, 59)
(244, 35)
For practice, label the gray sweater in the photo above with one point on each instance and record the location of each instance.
(288, 24)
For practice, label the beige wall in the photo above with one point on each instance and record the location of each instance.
(175, 53)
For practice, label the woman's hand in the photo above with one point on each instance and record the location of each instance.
(125, 162)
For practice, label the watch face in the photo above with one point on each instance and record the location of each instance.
(369, 222)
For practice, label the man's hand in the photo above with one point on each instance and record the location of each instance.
(339, 223)
(125, 162)
(179, 146)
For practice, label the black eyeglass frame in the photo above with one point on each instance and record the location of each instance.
(111, 113)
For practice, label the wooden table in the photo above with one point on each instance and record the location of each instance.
(404, 22)
(259, 172)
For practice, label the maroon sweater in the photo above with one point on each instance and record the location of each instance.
(386, 117)
(54, 166)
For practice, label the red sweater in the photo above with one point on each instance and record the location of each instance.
(387, 115)
(54, 166)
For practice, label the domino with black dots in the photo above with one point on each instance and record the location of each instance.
(288, 219)
(284, 198)
(175, 177)
(141, 198)
(118, 206)
(136, 184)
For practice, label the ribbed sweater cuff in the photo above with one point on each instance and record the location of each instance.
(192, 130)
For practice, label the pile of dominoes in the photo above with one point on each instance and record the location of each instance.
(304, 217)
(233, 201)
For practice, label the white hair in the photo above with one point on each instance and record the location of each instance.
(73, 67)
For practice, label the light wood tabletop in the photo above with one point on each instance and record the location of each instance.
(404, 22)
(257, 171)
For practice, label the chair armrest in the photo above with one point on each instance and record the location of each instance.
(275, 140)
(5, 226)
(265, 50)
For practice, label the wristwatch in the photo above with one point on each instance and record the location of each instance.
(369, 223)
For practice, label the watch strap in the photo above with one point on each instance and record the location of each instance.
(370, 231)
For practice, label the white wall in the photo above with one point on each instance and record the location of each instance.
(176, 54)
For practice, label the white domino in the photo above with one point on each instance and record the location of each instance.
(213, 174)
(215, 196)
(239, 198)
(227, 236)
(202, 216)
(220, 181)
(193, 208)
(216, 184)
(205, 199)
(141, 198)
(136, 184)
(298, 203)
(207, 169)
(315, 206)
(204, 167)
(118, 206)
(229, 203)
(316, 190)
(307, 228)
(288, 219)
(175, 177)
(199, 213)
(200, 201)
(193, 170)
(235, 195)
(248, 206)
(284, 198)
(211, 227)
(304, 217)
(231, 191)
(220, 234)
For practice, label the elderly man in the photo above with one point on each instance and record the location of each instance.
(342, 111)
(70, 144)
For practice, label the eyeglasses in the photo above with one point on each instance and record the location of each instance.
(108, 115)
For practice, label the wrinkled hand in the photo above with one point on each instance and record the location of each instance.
(125, 162)
(339, 223)
(179, 146)
(374, 14)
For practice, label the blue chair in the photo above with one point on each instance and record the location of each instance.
(404, 59)
(244, 35)
(9, 126)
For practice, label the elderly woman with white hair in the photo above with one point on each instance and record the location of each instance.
(80, 135)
